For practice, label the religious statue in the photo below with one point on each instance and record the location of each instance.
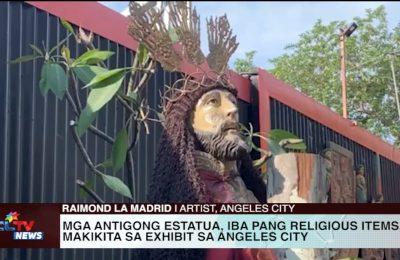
(202, 157)
(361, 185)
(201, 151)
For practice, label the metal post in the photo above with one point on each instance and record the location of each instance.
(343, 75)
(396, 92)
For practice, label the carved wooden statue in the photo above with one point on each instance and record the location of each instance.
(202, 157)
(361, 185)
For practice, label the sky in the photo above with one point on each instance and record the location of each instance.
(267, 27)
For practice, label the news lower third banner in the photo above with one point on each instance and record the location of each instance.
(199, 225)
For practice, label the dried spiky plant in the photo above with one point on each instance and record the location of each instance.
(147, 26)
(220, 42)
(186, 23)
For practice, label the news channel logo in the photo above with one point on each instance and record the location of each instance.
(21, 229)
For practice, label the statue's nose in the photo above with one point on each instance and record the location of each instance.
(232, 113)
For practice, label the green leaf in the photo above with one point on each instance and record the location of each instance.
(106, 164)
(275, 148)
(143, 54)
(116, 185)
(246, 64)
(98, 97)
(279, 135)
(86, 117)
(56, 79)
(36, 49)
(65, 52)
(291, 140)
(119, 150)
(249, 141)
(43, 86)
(24, 59)
(299, 146)
(287, 140)
(67, 26)
(293, 144)
(107, 78)
(53, 77)
(251, 129)
(86, 73)
(92, 57)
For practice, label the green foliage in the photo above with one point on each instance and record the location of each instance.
(37, 50)
(86, 73)
(53, 78)
(286, 141)
(92, 57)
(246, 64)
(67, 26)
(312, 65)
(107, 78)
(248, 135)
(106, 164)
(116, 185)
(43, 86)
(275, 148)
(66, 53)
(104, 84)
(279, 142)
(119, 150)
(98, 97)
(143, 54)
(86, 118)
(25, 58)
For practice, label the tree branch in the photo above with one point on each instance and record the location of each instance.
(131, 177)
(101, 134)
(126, 105)
(92, 128)
(72, 103)
(89, 191)
(76, 93)
(83, 151)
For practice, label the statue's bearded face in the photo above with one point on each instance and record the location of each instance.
(215, 122)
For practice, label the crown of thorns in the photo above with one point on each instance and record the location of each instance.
(147, 25)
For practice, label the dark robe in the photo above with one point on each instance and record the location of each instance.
(227, 186)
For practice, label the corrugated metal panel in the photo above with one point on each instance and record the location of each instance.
(39, 161)
(36, 142)
(390, 172)
(316, 137)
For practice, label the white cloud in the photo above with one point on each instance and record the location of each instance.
(125, 12)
